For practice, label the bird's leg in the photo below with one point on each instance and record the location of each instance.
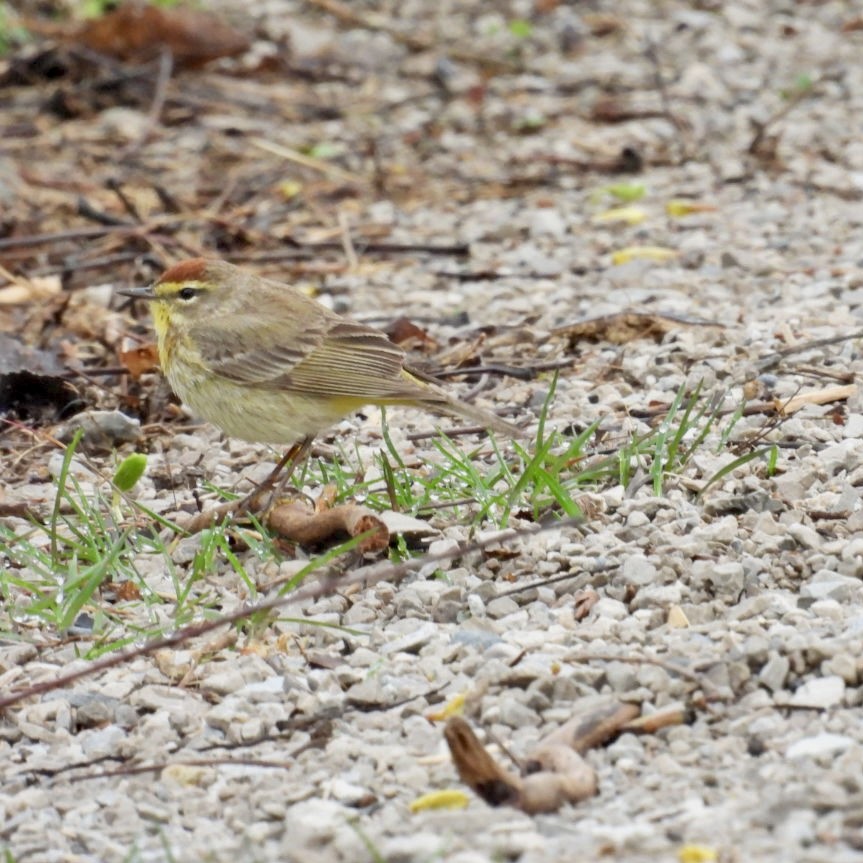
(295, 456)
(253, 501)
(286, 465)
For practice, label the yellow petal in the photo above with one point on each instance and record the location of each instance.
(454, 707)
(629, 215)
(290, 189)
(644, 253)
(448, 798)
(678, 207)
(697, 854)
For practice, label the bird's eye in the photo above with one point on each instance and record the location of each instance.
(187, 293)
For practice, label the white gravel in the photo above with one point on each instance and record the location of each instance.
(327, 726)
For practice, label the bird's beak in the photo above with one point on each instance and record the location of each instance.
(138, 293)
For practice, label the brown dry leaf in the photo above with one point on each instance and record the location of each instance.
(298, 521)
(600, 725)
(124, 591)
(174, 664)
(821, 397)
(409, 336)
(556, 772)
(624, 327)
(35, 290)
(137, 32)
(140, 360)
(584, 601)
(672, 714)
(476, 768)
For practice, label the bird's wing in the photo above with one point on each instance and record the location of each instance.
(354, 361)
(256, 356)
(328, 356)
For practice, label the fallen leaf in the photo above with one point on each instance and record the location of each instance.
(584, 600)
(448, 798)
(139, 361)
(453, 707)
(697, 854)
(820, 397)
(554, 772)
(408, 335)
(124, 591)
(37, 289)
(628, 192)
(678, 207)
(137, 32)
(624, 327)
(298, 521)
(659, 254)
(625, 215)
(666, 717)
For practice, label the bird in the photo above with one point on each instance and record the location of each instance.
(266, 363)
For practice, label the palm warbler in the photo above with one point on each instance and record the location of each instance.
(264, 362)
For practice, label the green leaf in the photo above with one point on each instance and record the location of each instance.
(520, 28)
(129, 471)
(627, 191)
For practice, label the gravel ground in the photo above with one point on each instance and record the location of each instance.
(765, 569)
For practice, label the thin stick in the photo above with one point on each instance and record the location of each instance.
(773, 359)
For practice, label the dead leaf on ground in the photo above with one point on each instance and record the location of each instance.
(137, 32)
(298, 521)
(584, 601)
(408, 335)
(37, 289)
(140, 360)
(820, 397)
(555, 772)
(665, 717)
(624, 327)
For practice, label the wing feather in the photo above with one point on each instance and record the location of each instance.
(328, 357)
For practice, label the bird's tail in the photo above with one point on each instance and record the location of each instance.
(435, 399)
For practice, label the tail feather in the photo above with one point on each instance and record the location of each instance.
(429, 395)
(484, 418)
